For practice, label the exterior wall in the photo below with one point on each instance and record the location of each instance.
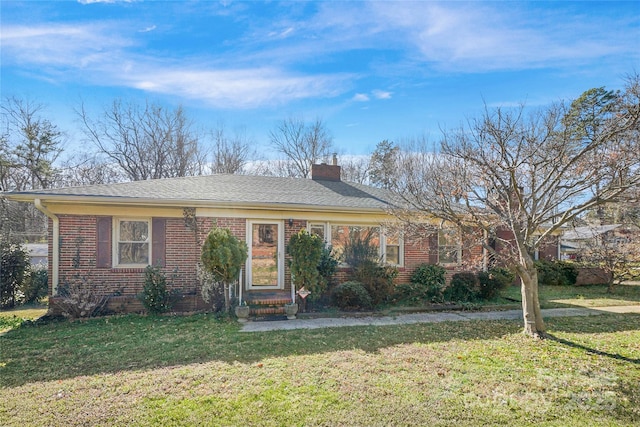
(549, 250)
(182, 243)
(78, 253)
(183, 239)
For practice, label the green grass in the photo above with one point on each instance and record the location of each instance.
(13, 318)
(197, 370)
(584, 296)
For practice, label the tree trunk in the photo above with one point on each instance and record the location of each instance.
(533, 322)
(227, 299)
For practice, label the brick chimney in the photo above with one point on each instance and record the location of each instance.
(325, 172)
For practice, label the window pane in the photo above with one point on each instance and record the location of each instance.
(317, 230)
(264, 255)
(345, 236)
(448, 247)
(393, 254)
(134, 231)
(133, 253)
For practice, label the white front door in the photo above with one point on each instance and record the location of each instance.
(265, 264)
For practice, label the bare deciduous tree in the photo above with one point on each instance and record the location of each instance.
(146, 142)
(230, 153)
(303, 144)
(616, 253)
(528, 174)
(355, 169)
(87, 169)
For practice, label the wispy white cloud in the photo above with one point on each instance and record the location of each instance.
(61, 45)
(93, 55)
(147, 29)
(381, 94)
(360, 97)
(104, 1)
(469, 36)
(237, 88)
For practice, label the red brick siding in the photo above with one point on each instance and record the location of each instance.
(78, 240)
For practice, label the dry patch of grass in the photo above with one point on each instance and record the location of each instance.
(201, 371)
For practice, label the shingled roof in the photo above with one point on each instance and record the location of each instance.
(240, 190)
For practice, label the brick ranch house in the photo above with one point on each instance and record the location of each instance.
(108, 234)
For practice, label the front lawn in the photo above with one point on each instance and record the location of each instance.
(13, 318)
(582, 296)
(135, 370)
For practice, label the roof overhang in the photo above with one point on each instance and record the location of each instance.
(181, 203)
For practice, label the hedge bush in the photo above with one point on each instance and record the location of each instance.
(427, 284)
(464, 287)
(351, 296)
(556, 273)
(377, 279)
(155, 296)
(492, 282)
(35, 285)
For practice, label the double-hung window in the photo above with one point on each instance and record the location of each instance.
(449, 248)
(393, 253)
(133, 242)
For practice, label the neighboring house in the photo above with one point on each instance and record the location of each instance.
(38, 254)
(578, 239)
(107, 235)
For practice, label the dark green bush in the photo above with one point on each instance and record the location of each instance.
(492, 282)
(14, 264)
(427, 284)
(327, 267)
(463, 288)
(155, 297)
(377, 279)
(556, 273)
(35, 285)
(351, 296)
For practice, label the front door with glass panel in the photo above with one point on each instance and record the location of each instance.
(265, 263)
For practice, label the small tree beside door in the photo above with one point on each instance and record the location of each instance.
(223, 255)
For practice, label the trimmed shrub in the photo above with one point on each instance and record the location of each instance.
(377, 279)
(556, 273)
(427, 284)
(492, 282)
(305, 250)
(327, 267)
(351, 296)
(155, 297)
(463, 288)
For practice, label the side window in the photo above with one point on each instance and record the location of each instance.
(133, 242)
(449, 250)
(393, 248)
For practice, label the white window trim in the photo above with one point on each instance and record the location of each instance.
(115, 257)
(382, 249)
(327, 230)
(383, 244)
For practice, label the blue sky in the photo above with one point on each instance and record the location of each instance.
(371, 70)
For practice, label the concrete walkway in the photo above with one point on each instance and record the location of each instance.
(431, 317)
